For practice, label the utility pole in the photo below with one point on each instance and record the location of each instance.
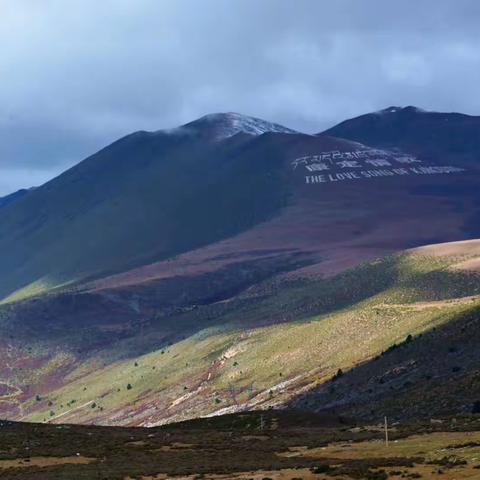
(386, 432)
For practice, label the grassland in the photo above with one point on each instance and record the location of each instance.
(286, 341)
(276, 445)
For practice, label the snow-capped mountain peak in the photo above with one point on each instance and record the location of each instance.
(394, 109)
(225, 125)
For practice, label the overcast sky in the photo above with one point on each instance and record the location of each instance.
(77, 74)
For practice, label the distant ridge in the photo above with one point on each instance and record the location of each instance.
(413, 129)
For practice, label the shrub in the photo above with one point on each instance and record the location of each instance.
(338, 375)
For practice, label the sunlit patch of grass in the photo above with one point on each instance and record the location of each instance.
(38, 287)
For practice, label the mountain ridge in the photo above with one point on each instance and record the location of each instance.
(139, 187)
(452, 135)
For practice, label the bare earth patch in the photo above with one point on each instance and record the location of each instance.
(45, 461)
(285, 474)
(472, 265)
(466, 247)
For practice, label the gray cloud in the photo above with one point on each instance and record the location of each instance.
(77, 75)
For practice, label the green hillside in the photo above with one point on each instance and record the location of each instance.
(285, 341)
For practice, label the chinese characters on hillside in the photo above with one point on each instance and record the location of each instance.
(336, 166)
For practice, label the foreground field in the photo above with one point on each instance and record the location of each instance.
(280, 445)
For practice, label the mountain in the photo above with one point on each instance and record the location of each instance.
(233, 263)
(430, 134)
(154, 195)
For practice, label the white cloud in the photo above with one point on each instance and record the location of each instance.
(407, 68)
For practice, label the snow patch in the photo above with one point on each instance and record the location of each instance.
(394, 109)
(225, 125)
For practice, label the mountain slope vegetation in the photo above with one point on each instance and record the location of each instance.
(279, 344)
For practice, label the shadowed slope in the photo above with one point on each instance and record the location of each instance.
(234, 184)
(147, 196)
(432, 134)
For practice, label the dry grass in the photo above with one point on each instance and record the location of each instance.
(29, 462)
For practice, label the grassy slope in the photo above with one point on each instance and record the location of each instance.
(315, 329)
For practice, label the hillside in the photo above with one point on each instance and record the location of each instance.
(228, 186)
(232, 263)
(154, 194)
(279, 343)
